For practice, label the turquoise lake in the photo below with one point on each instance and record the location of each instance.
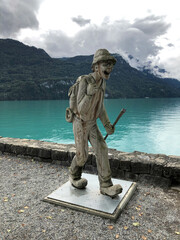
(149, 125)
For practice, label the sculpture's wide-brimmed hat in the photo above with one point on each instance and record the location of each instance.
(102, 55)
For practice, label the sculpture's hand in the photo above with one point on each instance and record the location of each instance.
(109, 128)
(91, 89)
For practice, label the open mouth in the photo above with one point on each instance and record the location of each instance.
(106, 73)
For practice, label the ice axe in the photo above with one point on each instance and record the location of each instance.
(117, 119)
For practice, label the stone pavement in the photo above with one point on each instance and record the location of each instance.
(152, 213)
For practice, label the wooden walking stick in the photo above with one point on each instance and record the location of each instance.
(117, 119)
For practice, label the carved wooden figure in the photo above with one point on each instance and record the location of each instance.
(86, 105)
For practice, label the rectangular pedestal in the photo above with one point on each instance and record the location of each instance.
(90, 200)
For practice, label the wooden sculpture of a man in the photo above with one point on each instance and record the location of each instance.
(86, 105)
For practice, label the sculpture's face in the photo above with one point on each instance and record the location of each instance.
(104, 69)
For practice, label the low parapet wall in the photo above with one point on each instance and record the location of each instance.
(157, 168)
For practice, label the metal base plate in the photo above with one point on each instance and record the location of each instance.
(90, 200)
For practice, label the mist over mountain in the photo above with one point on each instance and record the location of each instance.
(147, 67)
(28, 73)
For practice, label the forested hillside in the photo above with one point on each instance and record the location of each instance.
(28, 73)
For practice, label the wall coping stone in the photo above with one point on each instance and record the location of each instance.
(134, 165)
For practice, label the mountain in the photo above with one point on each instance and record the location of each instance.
(28, 73)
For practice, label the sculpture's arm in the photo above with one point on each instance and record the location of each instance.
(105, 121)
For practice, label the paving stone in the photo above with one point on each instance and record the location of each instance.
(59, 155)
(173, 168)
(157, 166)
(32, 151)
(2, 147)
(44, 153)
(125, 162)
(114, 163)
(140, 166)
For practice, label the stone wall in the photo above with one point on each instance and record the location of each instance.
(155, 168)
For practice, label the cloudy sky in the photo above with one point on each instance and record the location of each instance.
(147, 30)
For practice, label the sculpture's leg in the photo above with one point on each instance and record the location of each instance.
(103, 166)
(81, 142)
(101, 152)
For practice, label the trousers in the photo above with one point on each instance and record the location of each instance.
(84, 131)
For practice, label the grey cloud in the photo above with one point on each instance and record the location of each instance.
(170, 45)
(16, 15)
(81, 21)
(58, 42)
(152, 26)
(172, 67)
(137, 38)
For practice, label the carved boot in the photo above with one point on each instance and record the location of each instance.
(111, 191)
(78, 183)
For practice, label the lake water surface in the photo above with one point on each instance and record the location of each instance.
(149, 125)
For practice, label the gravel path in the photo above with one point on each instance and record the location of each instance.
(152, 213)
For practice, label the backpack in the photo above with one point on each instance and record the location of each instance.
(72, 94)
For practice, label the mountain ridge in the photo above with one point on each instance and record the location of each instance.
(29, 73)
